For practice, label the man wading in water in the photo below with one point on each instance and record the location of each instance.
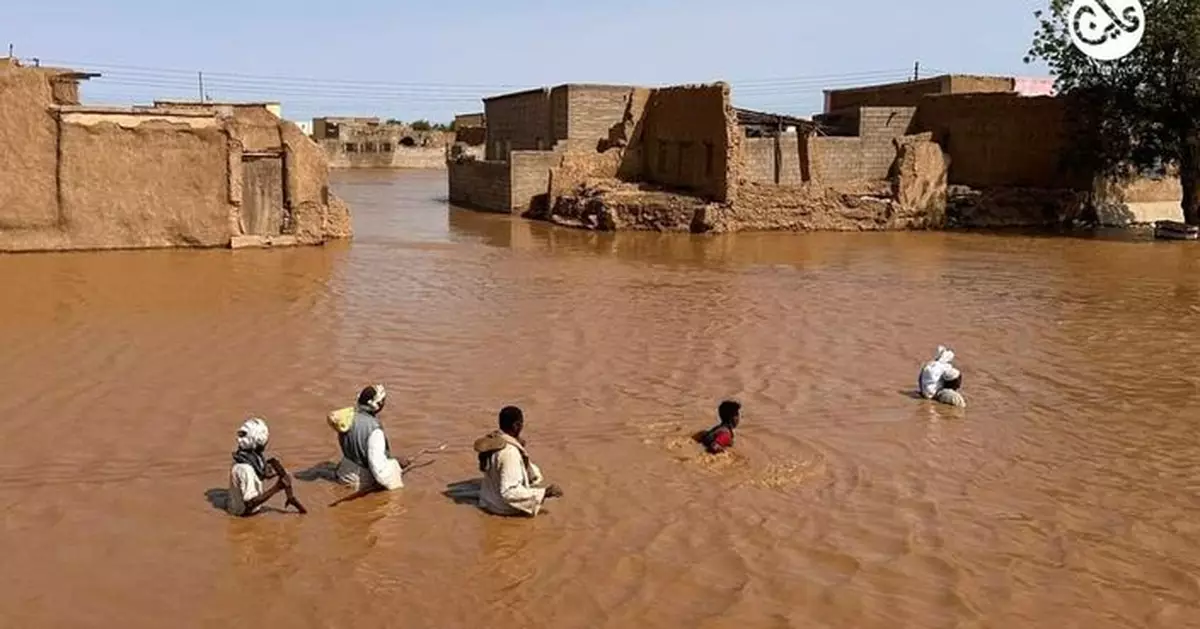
(719, 438)
(367, 463)
(249, 470)
(511, 481)
(940, 380)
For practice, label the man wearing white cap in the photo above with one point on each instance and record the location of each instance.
(251, 468)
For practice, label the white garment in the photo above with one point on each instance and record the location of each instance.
(384, 471)
(244, 486)
(936, 372)
(509, 487)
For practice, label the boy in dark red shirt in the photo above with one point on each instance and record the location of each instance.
(720, 437)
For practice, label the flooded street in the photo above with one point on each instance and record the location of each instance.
(1066, 495)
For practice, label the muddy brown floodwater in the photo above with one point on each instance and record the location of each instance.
(1065, 496)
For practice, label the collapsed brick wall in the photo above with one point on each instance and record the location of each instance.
(480, 184)
(686, 138)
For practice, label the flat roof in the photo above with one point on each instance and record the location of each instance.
(217, 103)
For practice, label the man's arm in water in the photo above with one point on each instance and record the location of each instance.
(254, 503)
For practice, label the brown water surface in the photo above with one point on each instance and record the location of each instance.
(1064, 496)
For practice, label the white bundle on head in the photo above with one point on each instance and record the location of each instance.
(944, 354)
(252, 434)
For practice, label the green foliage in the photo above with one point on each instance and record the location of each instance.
(1140, 110)
(421, 125)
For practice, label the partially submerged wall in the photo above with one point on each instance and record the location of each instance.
(28, 161)
(134, 182)
(107, 178)
(480, 184)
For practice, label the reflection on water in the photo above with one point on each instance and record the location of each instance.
(1064, 495)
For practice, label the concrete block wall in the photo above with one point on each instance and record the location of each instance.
(758, 160)
(530, 177)
(479, 184)
(836, 159)
(885, 122)
(593, 110)
(519, 122)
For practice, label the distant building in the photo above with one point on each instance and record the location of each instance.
(305, 126)
(470, 120)
(368, 142)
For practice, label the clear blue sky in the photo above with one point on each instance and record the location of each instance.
(421, 59)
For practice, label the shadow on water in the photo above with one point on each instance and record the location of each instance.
(325, 470)
(218, 497)
(465, 492)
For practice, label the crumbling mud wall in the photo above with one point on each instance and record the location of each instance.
(143, 183)
(914, 198)
(28, 152)
(76, 177)
(686, 139)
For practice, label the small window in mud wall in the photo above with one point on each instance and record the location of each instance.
(708, 159)
(407, 141)
(386, 147)
(350, 147)
(662, 156)
(369, 147)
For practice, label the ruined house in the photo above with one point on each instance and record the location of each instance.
(360, 142)
(1007, 140)
(679, 158)
(81, 177)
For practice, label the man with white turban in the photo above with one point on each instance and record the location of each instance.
(367, 462)
(251, 468)
(940, 380)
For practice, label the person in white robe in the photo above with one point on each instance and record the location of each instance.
(512, 484)
(940, 379)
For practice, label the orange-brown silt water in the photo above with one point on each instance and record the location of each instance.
(1065, 495)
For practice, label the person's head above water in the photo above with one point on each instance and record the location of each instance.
(512, 420)
(253, 435)
(730, 413)
(372, 399)
(954, 383)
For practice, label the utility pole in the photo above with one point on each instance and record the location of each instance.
(916, 70)
(200, 77)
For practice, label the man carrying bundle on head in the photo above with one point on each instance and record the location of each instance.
(511, 482)
(367, 463)
(940, 380)
(250, 468)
